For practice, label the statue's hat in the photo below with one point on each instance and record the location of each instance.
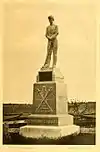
(51, 17)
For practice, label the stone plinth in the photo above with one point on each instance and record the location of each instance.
(50, 116)
(50, 75)
(52, 132)
(50, 120)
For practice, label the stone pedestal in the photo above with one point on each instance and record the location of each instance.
(54, 132)
(50, 116)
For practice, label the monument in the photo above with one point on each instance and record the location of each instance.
(50, 116)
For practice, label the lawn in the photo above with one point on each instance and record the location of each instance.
(80, 139)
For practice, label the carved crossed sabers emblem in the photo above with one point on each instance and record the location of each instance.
(44, 97)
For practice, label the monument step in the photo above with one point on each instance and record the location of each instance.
(50, 120)
(52, 132)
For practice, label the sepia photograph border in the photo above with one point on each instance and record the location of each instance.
(44, 148)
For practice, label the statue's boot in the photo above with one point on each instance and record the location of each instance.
(45, 66)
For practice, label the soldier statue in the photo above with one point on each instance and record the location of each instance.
(52, 46)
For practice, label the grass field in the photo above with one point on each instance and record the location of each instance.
(80, 139)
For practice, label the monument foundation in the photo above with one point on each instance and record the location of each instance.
(50, 116)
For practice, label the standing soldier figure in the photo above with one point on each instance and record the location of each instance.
(51, 35)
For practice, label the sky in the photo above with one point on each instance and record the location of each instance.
(24, 47)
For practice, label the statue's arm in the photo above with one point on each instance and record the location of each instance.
(56, 33)
(46, 34)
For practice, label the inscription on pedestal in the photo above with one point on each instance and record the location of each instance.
(43, 121)
(44, 98)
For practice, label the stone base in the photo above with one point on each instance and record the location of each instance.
(50, 120)
(50, 74)
(52, 132)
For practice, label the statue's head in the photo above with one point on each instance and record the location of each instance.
(51, 18)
